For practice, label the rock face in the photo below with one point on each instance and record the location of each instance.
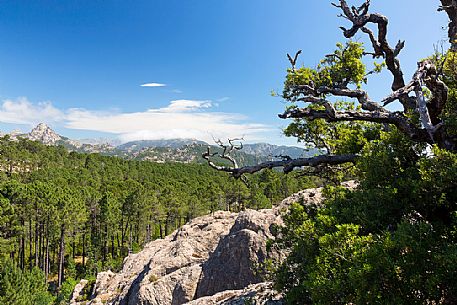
(210, 260)
(232, 265)
(261, 293)
(167, 270)
(44, 134)
(77, 291)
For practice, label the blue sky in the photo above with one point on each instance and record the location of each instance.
(79, 65)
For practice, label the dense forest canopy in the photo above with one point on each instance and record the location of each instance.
(66, 216)
(392, 240)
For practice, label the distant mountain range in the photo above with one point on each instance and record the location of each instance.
(269, 150)
(172, 143)
(172, 150)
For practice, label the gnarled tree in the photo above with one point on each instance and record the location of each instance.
(428, 112)
(392, 240)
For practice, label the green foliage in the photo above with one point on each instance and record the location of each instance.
(22, 288)
(65, 291)
(341, 68)
(448, 62)
(335, 137)
(8, 226)
(391, 241)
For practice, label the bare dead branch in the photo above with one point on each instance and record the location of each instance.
(429, 111)
(226, 153)
(290, 165)
(333, 55)
(293, 61)
(283, 157)
(398, 93)
(287, 163)
(428, 75)
(363, 9)
(335, 5)
(380, 44)
(233, 145)
(400, 45)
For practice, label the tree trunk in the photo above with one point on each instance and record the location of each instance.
(167, 220)
(105, 241)
(46, 258)
(123, 232)
(40, 247)
(22, 245)
(112, 246)
(46, 249)
(130, 239)
(84, 249)
(36, 236)
(160, 229)
(73, 246)
(30, 243)
(450, 7)
(61, 256)
(148, 232)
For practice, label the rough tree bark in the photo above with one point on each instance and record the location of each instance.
(450, 7)
(430, 130)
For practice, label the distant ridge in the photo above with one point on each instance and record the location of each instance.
(270, 150)
(165, 150)
(170, 143)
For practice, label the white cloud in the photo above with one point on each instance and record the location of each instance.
(22, 111)
(184, 106)
(153, 85)
(179, 119)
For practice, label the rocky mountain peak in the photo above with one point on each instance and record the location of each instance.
(44, 134)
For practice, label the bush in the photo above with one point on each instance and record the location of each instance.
(19, 287)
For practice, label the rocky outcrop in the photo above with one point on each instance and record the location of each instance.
(167, 270)
(44, 134)
(78, 291)
(232, 265)
(211, 260)
(261, 293)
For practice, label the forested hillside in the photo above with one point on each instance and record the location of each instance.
(66, 216)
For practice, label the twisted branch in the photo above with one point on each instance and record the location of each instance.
(360, 18)
(293, 61)
(287, 164)
(396, 118)
(311, 95)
